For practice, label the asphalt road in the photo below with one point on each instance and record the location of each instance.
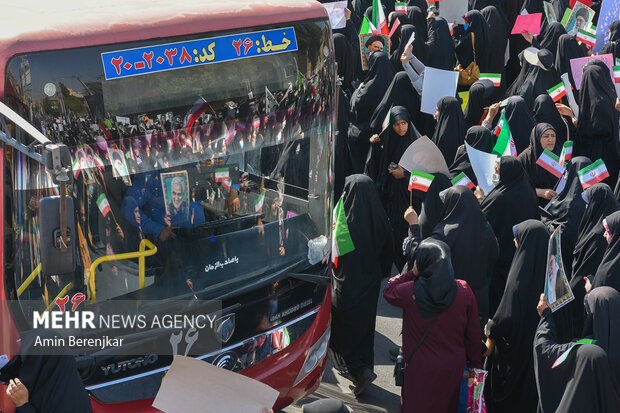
(382, 396)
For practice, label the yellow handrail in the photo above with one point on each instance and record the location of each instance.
(29, 280)
(60, 294)
(141, 254)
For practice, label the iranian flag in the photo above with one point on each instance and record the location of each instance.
(593, 174)
(258, 206)
(586, 37)
(291, 109)
(496, 78)
(198, 108)
(221, 174)
(386, 121)
(420, 181)
(557, 92)
(551, 162)
(395, 26)
(341, 238)
(400, 6)
(104, 205)
(170, 144)
(226, 184)
(368, 27)
(505, 145)
(567, 153)
(76, 168)
(617, 73)
(462, 179)
(256, 122)
(378, 17)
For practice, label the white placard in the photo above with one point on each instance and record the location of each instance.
(437, 84)
(483, 165)
(336, 14)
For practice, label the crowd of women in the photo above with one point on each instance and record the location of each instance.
(473, 265)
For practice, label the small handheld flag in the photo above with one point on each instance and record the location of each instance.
(342, 243)
(505, 145)
(551, 162)
(104, 205)
(221, 174)
(76, 168)
(462, 179)
(617, 74)
(567, 153)
(593, 174)
(400, 6)
(258, 206)
(367, 27)
(496, 78)
(386, 121)
(378, 17)
(420, 181)
(587, 38)
(557, 92)
(564, 355)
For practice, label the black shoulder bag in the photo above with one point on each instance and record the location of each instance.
(400, 366)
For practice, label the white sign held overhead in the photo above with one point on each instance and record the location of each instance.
(483, 165)
(437, 84)
(336, 14)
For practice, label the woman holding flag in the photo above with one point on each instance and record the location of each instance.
(608, 272)
(362, 248)
(541, 162)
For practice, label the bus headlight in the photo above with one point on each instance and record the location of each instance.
(314, 356)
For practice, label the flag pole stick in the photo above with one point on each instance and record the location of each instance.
(410, 198)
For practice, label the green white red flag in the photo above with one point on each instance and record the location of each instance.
(368, 27)
(496, 78)
(386, 121)
(593, 174)
(557, 92)
(341, 237)
(462, 179)
(258, 206)
(617, 74)
(378, 17)
(551, 162)
(221, 174)
(586, 37)
(505, 145)
(76, 168)
(104, 205)
(567, 153)
(400, 6)
(420, 181)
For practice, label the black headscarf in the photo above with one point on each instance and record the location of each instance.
(538, 79)
(482, 42)
(567, 49)
(365, 98)
(430, 215)
(478, 137)
(597, 130)
(603, 323)
(479, 97)
(53, 381)
(511, 372)
(418, 18)
(399, 93)
(591, 244)
(549, 37)
(520, 121)
(439, 47)
(344, 58)
(472, 242)
(435, 288)
(613, 46)
(418, 47)
(539, 176)
(545, 111)
(513, 200)
(567, 210)
(451, 128)
(499, 32)
(591, 386)
(608, 272)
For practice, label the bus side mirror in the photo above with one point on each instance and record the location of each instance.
(55, 259)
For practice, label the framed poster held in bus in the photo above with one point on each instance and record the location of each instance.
(119, 166)
(373, 42)
(175, 186)
(557, 289)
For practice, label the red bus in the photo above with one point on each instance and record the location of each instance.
(193, 141)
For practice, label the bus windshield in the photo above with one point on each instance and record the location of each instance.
(223, 167)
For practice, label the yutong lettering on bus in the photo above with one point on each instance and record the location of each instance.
(171, 56)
